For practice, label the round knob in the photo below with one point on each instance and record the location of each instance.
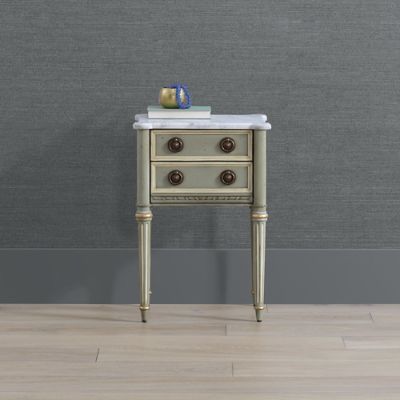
(228, 177)
(175, 177)
(175, 145)
(227, 144)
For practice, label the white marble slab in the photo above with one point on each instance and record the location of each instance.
(250, 121)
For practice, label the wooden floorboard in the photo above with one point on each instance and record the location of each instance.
(323, 364)
(158, 387)
(102, 328)
(66, 354)
(198, 396)
(213, 348)
(372, 343)
(203, 352)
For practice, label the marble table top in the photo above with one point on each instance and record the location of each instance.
(250, 121)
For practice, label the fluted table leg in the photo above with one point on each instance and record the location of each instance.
(144, 248)
(258, 220)
(143, 218)
(258, 225)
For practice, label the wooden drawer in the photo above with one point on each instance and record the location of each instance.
(201, 182)
(201, 145)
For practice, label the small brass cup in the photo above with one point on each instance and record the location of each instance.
(167, 97)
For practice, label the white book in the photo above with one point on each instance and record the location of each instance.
(196, 112)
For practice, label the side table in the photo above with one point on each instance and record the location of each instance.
(216, 161)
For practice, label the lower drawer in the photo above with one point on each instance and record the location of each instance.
(204, 182)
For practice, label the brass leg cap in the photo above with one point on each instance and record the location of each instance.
(143, 313)
(259, 315)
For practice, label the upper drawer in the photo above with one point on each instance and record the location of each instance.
(201, 145)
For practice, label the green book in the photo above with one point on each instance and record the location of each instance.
(196, 112)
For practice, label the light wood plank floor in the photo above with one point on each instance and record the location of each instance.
(204, 352)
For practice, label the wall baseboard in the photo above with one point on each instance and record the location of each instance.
(199, 276)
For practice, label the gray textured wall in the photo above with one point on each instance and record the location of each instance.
(74, 73)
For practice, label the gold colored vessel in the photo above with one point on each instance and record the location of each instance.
(167, 97)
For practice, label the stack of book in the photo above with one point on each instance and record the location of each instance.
(197, 112)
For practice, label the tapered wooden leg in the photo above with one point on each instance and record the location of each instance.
(258, 227)
(144, 248)
(253, 270)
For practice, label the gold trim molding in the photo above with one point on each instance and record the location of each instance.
(144, 216)
(259, 216)
(245, 199)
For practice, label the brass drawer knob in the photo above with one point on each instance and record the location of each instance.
(227, 144)
(175, 145)
(175, 177)
(227, 177)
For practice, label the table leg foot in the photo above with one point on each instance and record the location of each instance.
(259, 312)
(143, 312)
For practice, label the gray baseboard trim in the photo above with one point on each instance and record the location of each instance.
(198, 276)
